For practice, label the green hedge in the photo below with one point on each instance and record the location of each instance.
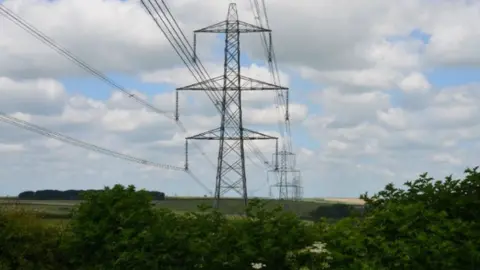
(428, 225)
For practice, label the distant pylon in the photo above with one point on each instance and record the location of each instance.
(228, 88)
(289, 179)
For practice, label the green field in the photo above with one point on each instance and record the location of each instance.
(58, 210)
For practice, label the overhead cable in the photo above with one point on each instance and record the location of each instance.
(66, 53)
(163, 18)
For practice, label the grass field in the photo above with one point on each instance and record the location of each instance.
(352, 201)
(56, 211)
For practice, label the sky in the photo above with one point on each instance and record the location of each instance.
(381, 91)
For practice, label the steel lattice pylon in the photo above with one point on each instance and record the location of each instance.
(228, 88)
(289, 184)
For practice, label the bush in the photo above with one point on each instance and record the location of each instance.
(25, 243)
(119, 229)
(109, 229)
(429, 225)
(332, 211)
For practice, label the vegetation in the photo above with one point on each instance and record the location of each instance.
(52, 195)
(61, 209)
(334, 211)
(428, 225)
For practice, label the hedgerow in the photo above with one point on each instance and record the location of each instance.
(429, 224)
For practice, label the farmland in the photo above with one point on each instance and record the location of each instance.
(61, 209)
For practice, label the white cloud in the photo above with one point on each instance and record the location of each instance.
(337, 145)
(364, 79)
(393, 117)
(8, 148)
(112, 36)
(415, 83)
(347, 109)
(35, 96)
(454, 30)
(400, 54)
(446, 158)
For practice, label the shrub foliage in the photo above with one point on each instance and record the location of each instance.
(429, 224)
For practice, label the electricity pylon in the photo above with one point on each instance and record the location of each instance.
(228, 90)
(289, 180)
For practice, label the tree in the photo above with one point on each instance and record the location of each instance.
(429, 225)
(332, 211)
(111, 230)
(70, 194)
(25, 243)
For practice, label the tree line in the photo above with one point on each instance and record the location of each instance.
(52, 194)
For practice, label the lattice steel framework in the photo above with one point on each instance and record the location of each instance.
(231, 134)
(289, 184)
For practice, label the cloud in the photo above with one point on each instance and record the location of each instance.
(10, 148)
(453, 31)
(112, 36)
(332, 35)
(415, 83)
(40, 96)
(393, 117)
(355, 80)
(437, 139)
(347, 109)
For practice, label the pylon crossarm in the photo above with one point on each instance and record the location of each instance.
(204, 85)
(214, 134)
(260, 136)
(246, 83)
(221, 27)
(254, 84)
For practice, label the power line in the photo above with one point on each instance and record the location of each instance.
(287, 151)
(199, 68)
(231, 132)
(69, 140)
(66, 53)
(163, 18)
(66, 139)
(199, 72)
(70, 56)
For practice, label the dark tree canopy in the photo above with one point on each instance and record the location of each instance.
(49, 194)
(334, 211)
